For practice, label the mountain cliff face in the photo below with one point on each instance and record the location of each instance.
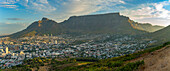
(149, 27)
(103, 23)
(112, 23)
(145, 26)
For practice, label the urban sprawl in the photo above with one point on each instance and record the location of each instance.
(13, 52)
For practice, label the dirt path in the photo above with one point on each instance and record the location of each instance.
(157, 61)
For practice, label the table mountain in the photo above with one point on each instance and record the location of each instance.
(110, 23)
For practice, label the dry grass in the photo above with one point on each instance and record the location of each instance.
(156, 61)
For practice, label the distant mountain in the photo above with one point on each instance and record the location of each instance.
(110, 23)
(145, 26)
(163, 34)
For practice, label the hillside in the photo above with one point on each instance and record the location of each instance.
(157, 61)
(162, 35)
(40, 27)
(149, 27)
(145, 26)
(110, 23)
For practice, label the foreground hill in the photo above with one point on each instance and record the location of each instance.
(111, 23)
(157, 61)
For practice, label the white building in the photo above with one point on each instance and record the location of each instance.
(6, 50)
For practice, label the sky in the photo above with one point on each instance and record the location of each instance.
(16, 15)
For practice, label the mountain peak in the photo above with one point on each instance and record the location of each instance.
(44, 19)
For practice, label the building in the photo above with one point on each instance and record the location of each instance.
(56, 42)
(22, 53)
(6, 50)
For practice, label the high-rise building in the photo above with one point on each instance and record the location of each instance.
(6, 50)
(1, 49)
(22, 53)
(55, 42)
(0, 42)
(13, 54)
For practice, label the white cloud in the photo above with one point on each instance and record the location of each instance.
(43, 1)
(37, 5)
(4, 3)
(8, 1)
(159, 7)
(64, 9)
(23, 2)
(162, 13)
(9, 6)
(79, 7)
(151, 11)
(41, 7)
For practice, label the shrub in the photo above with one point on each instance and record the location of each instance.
(131, 66)
(115, 64)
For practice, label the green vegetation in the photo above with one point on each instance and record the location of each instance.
(161, 35)
(130, 66)
(31, 63)
(33, 33)
(79, 42)
(87, 59)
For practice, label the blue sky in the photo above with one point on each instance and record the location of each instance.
(16, 15)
